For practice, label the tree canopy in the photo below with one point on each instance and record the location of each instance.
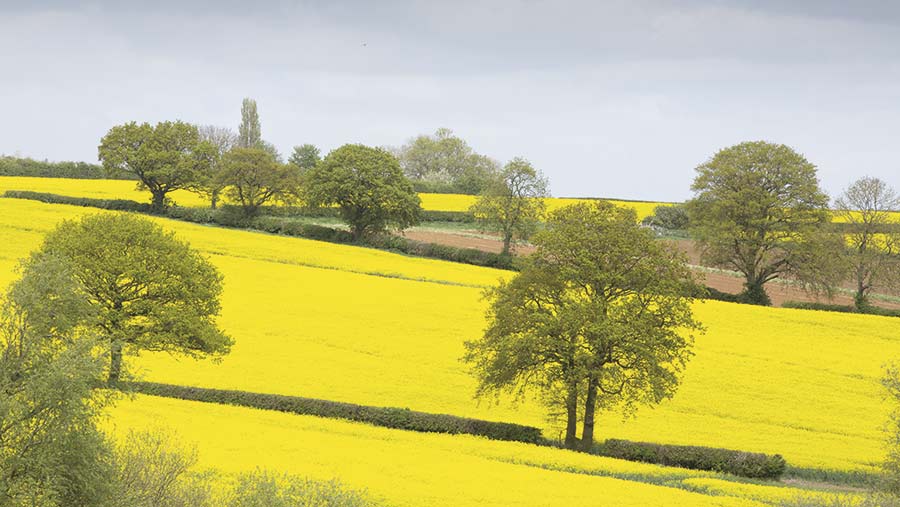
(207, 181)
(51, 452)
(164, 158)
(147, 289)
(369, 188)
(443, 162)
(513, 202)
(252, 177)
(249, 131)
(758, 209)
(600, 317)
(305, 157)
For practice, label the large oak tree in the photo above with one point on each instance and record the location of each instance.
(147, 289)
(599, 318)
(758, 210)
(164, 158)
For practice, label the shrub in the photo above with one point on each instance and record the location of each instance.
(17, 166)
(826, 307)
(389, 417)
(672, 217)
(745, 464)
(263, 489)
(716, 294)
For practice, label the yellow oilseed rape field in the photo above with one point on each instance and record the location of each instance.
(123, 189)
(415, 469)
(364, 326)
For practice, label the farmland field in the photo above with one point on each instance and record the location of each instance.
(364, 326)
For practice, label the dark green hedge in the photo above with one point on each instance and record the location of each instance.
(744, 464)
(88, 202)
(229, 216)
(398, 418)
(17, 166)
(871, 310)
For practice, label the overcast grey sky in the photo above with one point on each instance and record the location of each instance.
(608, 98)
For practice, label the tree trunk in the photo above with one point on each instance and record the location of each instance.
(755, 292)
(572, 418)
(115, 361)
(159, 201)
(590, 407)
(507, 243)
(214, 199)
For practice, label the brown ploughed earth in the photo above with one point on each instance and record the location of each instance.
(723, 281)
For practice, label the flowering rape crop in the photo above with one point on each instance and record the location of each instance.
(415, 469)
(365, 326)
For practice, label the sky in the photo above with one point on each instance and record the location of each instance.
(608, 98)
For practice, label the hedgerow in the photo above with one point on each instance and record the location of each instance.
(389, 417)
(744, 464)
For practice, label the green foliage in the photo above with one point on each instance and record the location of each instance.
(17, 166)
(164, 158)
(150, 291)
(600, 317)
(249, 131)
(252, 177)
(305, 157)
(368, 187)
(264, 489)
(512, 203)
(444, 163)
(672, 217)
(51, 453)
(758, 209)
(398, 418)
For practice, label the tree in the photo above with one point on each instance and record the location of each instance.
(599, 318)
(149, 290)
(252, 178)
(673, 217)
(758, 209)
(51, 452)
(869, 206)
(444, 162)
(305, 157)
(368, 187)
(513, 203)
(164, 158)
(207, 183)
(249, 132)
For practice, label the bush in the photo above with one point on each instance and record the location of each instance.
(389, 417)
(672, 217)
(263, 489)
(716, 294)
(744, 464)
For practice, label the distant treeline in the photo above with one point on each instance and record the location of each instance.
(17, 166)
